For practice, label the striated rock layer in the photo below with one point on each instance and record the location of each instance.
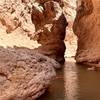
(24, 74)
(87, 29)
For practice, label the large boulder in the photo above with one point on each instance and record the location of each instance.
(24, 74)
(87, 29)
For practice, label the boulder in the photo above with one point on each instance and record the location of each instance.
(24, 74)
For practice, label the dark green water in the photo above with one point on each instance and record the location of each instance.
(80, 84)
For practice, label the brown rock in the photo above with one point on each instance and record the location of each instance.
(50, 25)
(24, 75)
(16, 13)
(87, 29)
(47, 17)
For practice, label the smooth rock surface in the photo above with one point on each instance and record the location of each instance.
(87, 29)
(50, 24)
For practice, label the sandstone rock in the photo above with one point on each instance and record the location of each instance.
(16, 13)
(70, 39)
(24, 74)
(87, 29)
(50, 25)
(70, 9)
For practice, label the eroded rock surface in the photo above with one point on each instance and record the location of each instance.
(50, 25)
(24, 74)
(87, 29)
(70, 39)
(16, 13)
(42, 20)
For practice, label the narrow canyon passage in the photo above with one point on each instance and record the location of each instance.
(34, 35)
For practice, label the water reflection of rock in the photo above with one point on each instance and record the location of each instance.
(71, 80)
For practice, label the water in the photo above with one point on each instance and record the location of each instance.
(56, 91)
(78, 84)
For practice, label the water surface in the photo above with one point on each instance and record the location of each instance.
(56, 90)
(78, 84)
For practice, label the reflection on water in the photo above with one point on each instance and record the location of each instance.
(81, 84)
(89, 84)
(78, 84)
(71, 80)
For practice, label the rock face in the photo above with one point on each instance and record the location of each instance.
(24, 74)
(42, 20)
(70, 39)
(15, 14)
(87, 29)
(50, 25)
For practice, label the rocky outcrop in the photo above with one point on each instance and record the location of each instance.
(50, 25)
(43, 20)
(15, 14)
(87, 29)
(24, 74)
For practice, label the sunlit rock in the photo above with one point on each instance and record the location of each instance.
(41, 20)
(87, 29)
(24, 74)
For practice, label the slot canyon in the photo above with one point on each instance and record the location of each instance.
(49, 49)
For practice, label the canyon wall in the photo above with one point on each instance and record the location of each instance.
(41, 20)
(87, 29)
(50, 24)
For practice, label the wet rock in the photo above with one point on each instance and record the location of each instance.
(24, 74)
(87, 29)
